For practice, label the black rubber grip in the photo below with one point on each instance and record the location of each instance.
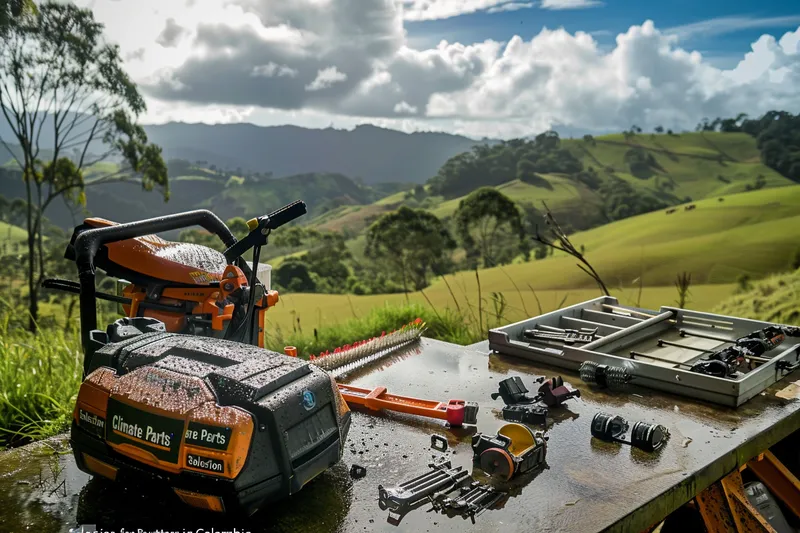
(286, 214)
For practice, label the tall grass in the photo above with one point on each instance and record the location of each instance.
(447, 325)
(774, 299)
(39, 378)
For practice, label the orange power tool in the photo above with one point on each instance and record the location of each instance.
(456, 412)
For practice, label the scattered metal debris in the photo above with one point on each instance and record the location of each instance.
(357, 471)
(409, 495)
(438, 443)
(526, 414)
(474, 499)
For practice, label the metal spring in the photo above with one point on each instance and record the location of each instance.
(604, 375)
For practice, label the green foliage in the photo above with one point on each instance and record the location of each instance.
(589, 178)
(774, 299)
(777, 135)
(13, 211)
(412, 244)
(641, 163)
(795, 263)
(290, 237)
(494, 165)
(683, 283)
(327, 260)
(234, 181)
(489, 225)
(760, 183)
(526, 173)
(325, 268)
(665, 184)
(294, 276)
(622, 200)
(743, 284)
(12, 11)
(238, 227)
(67, 77)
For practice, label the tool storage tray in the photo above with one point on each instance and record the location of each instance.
(623, 336)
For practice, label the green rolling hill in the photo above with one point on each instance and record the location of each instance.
(684, 166)
(754, 233)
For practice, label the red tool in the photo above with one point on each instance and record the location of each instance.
(455, 412)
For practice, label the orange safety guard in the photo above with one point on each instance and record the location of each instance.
(376, 399)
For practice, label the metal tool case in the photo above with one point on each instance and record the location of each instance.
(675, 338)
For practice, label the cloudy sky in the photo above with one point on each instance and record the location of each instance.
(495, 68)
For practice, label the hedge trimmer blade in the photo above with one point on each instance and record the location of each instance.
(352, 356)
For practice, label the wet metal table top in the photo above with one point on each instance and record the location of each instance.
(587, 486)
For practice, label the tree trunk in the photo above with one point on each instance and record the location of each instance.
(33, 296)
(39, 238)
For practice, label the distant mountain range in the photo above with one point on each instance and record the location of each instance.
(368, 153)
(375, 155)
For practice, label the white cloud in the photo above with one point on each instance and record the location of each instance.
(511, 6)
(723, 25)
(415, 10)
(314, 62)
(325, 78)
(403, 108)
(570, 4)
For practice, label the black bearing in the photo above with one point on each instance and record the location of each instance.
(648, 437)
(608, 427)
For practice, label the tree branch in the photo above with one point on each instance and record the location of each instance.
(567, 247)
(13, 155)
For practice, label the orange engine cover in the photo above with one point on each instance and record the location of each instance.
(177, 262)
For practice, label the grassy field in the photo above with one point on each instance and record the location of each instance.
(564, 193)
(328, 310)
(754, 234)
(694, 161)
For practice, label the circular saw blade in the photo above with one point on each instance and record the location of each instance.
(497, 462)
